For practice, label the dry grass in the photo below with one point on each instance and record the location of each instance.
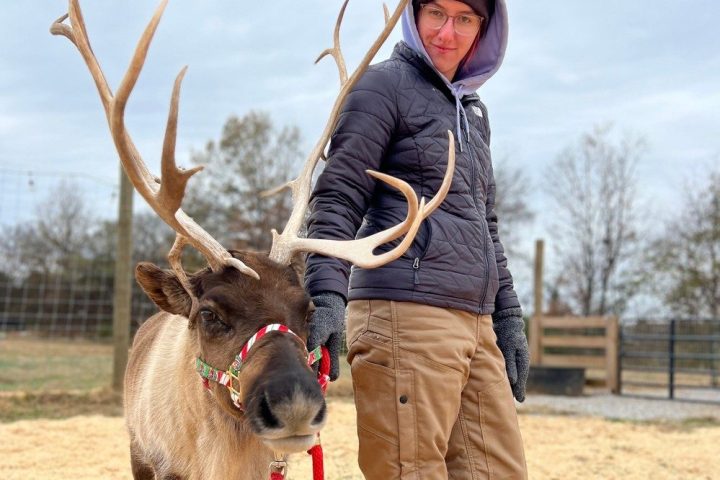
(75, 430)
(557, 447)
(53, 379)
(58, 404)
(35, 365)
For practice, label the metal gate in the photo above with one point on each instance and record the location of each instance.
(673, 359)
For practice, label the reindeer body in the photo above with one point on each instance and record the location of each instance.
(189, 436)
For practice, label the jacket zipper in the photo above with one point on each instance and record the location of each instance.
(416, 267)
(416, 262)
(485, 246)
(487, 274)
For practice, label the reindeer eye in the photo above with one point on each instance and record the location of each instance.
(212, 322)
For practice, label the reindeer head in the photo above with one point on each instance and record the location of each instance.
(278, 390)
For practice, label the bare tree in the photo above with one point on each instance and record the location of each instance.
(593, 186)
(250, 158)
(151, 240)
(54, 240)
(511, 205)
(687, 255)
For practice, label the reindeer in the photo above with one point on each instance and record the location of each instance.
(242, 421)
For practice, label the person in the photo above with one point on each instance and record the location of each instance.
(436, 338)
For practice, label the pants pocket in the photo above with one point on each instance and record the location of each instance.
(358, 314)
(386, 421)
(374, 387)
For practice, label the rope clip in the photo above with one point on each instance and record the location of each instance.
(279, 467)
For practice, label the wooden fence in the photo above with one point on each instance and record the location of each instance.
(587, 342)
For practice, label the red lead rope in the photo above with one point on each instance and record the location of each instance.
(317, 462)
(316, 451)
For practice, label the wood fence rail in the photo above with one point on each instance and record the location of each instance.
(587, 342)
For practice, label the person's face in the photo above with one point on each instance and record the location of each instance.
(445, 47)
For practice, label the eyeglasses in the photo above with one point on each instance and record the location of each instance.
(465, 24)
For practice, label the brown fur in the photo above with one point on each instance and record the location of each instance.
(178, 428)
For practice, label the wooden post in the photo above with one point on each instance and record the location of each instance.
(123, 286)
(611, 353)
(535, 340)
(535, 330)
(538, 277)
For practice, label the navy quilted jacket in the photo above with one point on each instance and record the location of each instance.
(396, 121)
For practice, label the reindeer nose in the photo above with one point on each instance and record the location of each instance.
(266, 414)
(293, 404)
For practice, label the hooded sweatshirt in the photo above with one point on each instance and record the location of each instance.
(396, 121)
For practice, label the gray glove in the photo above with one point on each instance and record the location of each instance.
(509, 329)
(327, 326)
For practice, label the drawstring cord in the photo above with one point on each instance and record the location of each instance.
(460, 112)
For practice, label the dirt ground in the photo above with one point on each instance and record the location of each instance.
(557, 447)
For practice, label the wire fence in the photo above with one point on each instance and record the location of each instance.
(74, 306)
(56, 278)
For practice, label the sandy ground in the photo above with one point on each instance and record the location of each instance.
(557, 447)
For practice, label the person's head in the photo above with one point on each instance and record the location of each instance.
(451, 29)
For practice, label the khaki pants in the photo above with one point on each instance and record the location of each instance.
(432, 395)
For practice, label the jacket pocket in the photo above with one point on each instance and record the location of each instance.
(417, 260)
(493, 284)
(427, 224)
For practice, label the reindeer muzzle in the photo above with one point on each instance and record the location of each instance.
(230, 377)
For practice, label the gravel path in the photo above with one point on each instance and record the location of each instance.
(620, 407)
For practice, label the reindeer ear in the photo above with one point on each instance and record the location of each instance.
(297, 263)
(163, 288)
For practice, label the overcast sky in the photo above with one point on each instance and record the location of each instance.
(650, 68)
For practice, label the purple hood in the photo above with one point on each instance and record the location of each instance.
(487, 59)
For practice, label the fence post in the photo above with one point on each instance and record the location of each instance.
(123, 283)
(611, 354)
(538, 277)
(713, 362)
(671, 361)
(620, 354)
(535, 329)
(535, 332)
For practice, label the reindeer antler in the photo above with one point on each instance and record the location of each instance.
(359, 252)
(165, 198)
